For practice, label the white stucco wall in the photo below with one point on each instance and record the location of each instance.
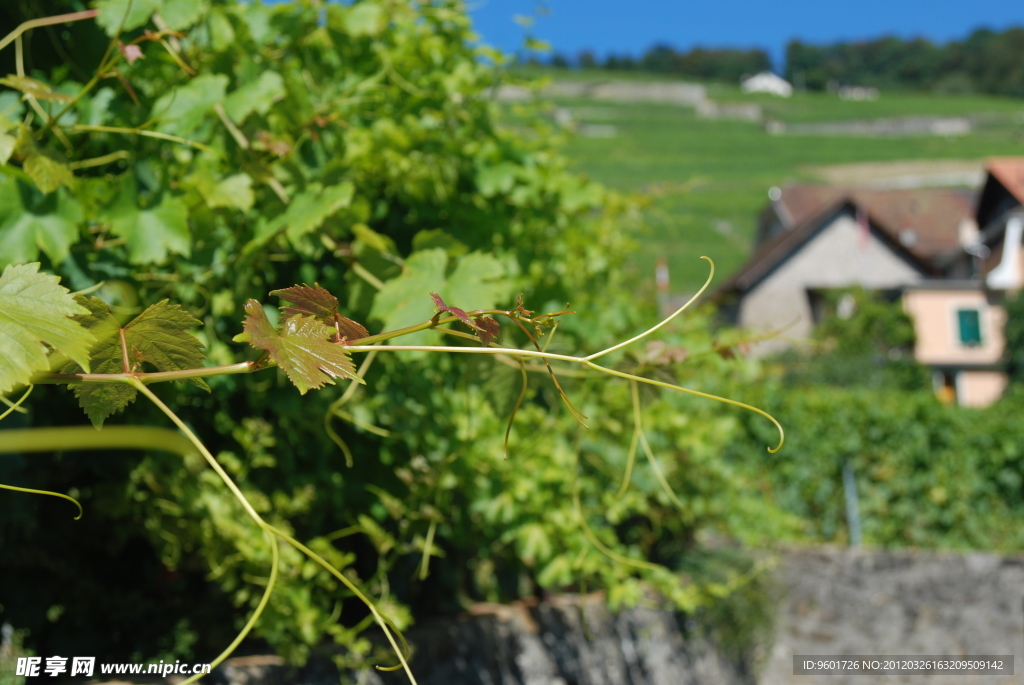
(837, 257)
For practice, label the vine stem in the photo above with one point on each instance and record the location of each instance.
(368, 344)
(46, 21)
(267, 528)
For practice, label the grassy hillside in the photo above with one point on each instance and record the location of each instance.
(709, 178)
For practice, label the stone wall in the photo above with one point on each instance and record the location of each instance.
(830, 601)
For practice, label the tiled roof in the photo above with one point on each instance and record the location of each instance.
(933, 214)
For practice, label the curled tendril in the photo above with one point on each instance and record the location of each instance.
(47, 492)
(386, 625)
(14, 407)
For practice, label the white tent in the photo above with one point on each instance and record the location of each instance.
(767, 82)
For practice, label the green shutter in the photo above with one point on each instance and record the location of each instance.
(970, 327)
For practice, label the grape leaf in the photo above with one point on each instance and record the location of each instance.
(35, 309)
(488, 329)
(150, 234)
(31, 221)
(302, 348)
(460, 314)
(233, 191)
(312, 208)
(181, 111)
(478, 281)
(255, 96)
(318, 302)
(7, 143)
(112, 12)
(180, 14)
(47, 172)
(222, 34)
(402, 303)
(30, 86)
(42, 166)
(305, 214)
(158, 336)
(365, 19)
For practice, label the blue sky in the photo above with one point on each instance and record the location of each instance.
(632, 26)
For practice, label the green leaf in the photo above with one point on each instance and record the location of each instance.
(100, 400)
(41, 165)
(31, 221)
(222, 35)
(112, 12)
(150, 234)
(309, 210)
(377, 241)
(7, 143)
(316, 301)
(35, 309)
(181, 14)
(437, 237)
(30, 86)
(404, 300)
(302, 348)
(48, 173)
(496, 179)
(233, 191)
(305, 214)
(182, 110)
(365, 19)
(478, 282)
(255, 96)
(158, 336)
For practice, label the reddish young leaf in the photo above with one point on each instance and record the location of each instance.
(521, 309)
(724, 351)
(488, 328)
(319, 302)
(302, 348)
(461, 314)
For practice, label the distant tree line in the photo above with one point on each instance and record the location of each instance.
(984, 62)
(699, 63)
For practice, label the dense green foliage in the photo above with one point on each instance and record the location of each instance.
(984, 62)
(928, 474)
(864, 339)
(355, 147)
(1014, 334)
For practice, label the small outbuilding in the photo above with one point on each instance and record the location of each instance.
(767, 82)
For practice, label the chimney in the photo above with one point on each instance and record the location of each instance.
(1007, 276)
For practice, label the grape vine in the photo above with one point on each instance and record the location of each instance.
(311, 346)
(58, 190)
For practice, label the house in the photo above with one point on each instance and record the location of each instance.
(767, 82)
(951, 255)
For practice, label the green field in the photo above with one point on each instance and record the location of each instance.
(708, 179)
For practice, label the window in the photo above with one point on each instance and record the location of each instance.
(969, 321)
